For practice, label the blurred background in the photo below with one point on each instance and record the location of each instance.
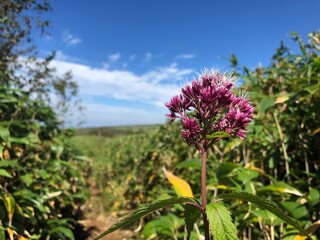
(83, 133)
(129, 57)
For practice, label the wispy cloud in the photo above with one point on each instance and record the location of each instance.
(185, 56)
(98, 114)
(70, 39)
(60, 56)
(148, 56)
(132, 57)
(114, 57)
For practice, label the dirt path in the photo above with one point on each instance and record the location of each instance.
(95, 219)
(98, 224)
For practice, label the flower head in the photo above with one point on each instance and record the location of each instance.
(213, 106)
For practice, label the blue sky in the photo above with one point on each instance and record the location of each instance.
(131, 56)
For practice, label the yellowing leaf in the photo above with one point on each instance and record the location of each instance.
(300, 237)
(10, 205)
(217, 187)
(11, 233)
(281, 187)
(252, 167)
(309, 231)
(181, 187)
(282, 99)
(316, 131)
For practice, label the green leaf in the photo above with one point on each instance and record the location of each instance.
(27, 179)
(265, 104)
(218, 135)
(193, 163)
(295, 209)
(281, 187)
(4, 173)
(233, 60)
(271, 207)
(191, 215)
(2, 235)
(226, 168)
(314, 197)
(64, 231)
(220, 221)
(5, 135)
(145, 211)
(9, 163)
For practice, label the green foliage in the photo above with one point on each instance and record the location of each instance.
(21, 67)
(191, 215)
(277, 162)
(128, 169)
(264, 205)
(283, 144)
(220, 221)
(165, 227)
(41, 186)
(145, 211)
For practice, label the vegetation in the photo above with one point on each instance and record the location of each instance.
(41, 183)
(42, 172)
(278, 161)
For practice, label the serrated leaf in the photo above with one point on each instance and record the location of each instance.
(220, 221)
(191, 215)
(181, 187)
(145, 211)
(271, 207)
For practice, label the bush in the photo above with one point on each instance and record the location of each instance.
(42, 188)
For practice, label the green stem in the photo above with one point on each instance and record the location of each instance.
(204, 194)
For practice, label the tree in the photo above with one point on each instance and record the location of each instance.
(41, 183)
(20, 66)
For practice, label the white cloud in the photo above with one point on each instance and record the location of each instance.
(114, 57)
(185, 56)
(70, 39)
(152, 88)
(105, 65)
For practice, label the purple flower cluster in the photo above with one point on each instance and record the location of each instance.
(213, 108)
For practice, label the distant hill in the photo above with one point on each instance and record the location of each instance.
(116, 131)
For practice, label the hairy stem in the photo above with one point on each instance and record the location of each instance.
(204, 194)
